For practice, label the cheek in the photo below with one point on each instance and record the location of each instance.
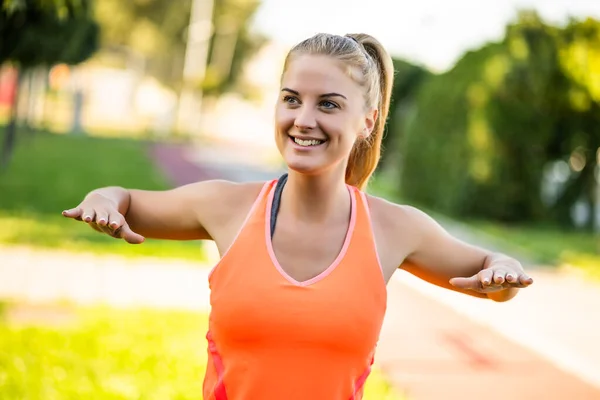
(284, 118)
(346, 130)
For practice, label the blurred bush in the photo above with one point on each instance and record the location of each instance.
(511, 132)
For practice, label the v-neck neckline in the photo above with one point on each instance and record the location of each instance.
(333, 265)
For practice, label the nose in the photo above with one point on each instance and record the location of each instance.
(305, 119)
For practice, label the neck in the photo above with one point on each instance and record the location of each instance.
(316, 197)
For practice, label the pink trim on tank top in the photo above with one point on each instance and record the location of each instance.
(363, 195)
(219, 389)
(334, 264)
(360, 382)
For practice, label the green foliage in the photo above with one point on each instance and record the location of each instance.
(408, 80)
(38, 32)
(484, 132)
(435, 150)
(43, 33)
(54, 172)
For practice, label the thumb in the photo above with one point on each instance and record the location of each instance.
(130, 236)
(471, 283)
(73, 212)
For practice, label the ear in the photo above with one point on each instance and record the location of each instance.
(370, 119)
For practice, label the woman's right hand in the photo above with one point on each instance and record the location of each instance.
(102, 214)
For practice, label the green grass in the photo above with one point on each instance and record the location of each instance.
(102, 353)
(105, 354)
(377, 388)
(549, 244)
(52, 172)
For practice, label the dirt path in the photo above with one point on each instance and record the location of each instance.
(48, 276)
(439, 345)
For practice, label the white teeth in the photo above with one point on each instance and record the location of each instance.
(307, 142)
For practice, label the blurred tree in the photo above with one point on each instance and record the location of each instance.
(435, 170)
(408, 80)
(526, 98)
(43, 32)
(157, 30)
(231, 44)
(151, 31)
(579, 53)
(486, 131)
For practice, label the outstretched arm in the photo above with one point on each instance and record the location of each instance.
(184, 213)
(442, 259)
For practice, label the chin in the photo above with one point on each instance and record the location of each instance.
(312, 166)
(305, 167)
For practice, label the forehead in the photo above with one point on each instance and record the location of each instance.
(319, 74)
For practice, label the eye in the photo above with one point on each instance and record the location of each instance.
(328, 105)
(291, 100)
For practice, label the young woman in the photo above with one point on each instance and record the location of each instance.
(299, 295)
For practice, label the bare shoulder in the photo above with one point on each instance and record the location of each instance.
(397, 223)
(220, 199)
(225, 207)
(393, 217)
(225, 192)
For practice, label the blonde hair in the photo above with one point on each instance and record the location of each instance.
(365, 53)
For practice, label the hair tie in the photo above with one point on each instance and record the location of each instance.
(363, 49)
(352, 38)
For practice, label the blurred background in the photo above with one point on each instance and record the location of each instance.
(494, 130)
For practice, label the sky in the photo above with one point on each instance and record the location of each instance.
(431, 32)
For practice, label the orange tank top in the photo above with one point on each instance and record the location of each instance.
(271, 337)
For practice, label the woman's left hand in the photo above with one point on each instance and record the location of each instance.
(498, 275)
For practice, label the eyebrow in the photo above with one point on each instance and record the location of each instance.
(323, 95)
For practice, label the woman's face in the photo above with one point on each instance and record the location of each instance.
(320, 114)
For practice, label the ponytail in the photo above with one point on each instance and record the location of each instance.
(366, 152)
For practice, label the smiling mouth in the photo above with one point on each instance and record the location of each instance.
(306, 142)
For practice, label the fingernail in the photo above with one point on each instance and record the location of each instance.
(510, 277)
(113, 224)
(486, 282)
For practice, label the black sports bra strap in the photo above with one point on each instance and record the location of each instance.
(276, 201)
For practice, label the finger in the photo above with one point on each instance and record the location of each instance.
(512, 278)
(102, 218)
(130, 236)
(88, 215)
(525, 280)
(73, 212)
(499, 276)
(471, 283)
(116, 220)
(486, 277)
